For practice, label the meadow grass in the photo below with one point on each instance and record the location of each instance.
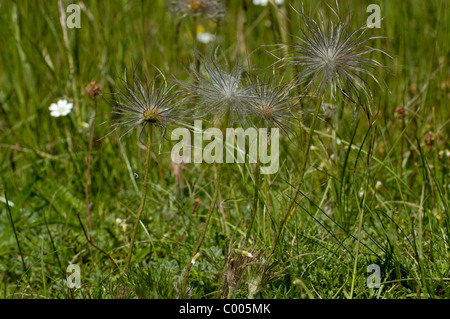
(374, 191)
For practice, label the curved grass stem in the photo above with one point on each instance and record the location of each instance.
(352, 289)
(255, 196)
(144, 195)
(88, 172)
(210, 211)
(291, 206)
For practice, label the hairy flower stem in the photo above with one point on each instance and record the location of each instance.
(210, 211)
(255, 196)
(292, 202)
(144, 195)
(88, 173)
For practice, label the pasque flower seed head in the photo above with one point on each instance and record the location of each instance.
(333, 59)
(271, 102)
(140, 101)
(218, 89)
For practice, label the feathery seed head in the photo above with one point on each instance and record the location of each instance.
(272, 103)
(219, 90)
(334, 59)
(145, 102)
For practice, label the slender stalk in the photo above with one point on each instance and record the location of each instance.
(275, 32)
(299, 183)
(22, 259)
(195, 42)
(269, 208)
(144, 195)
(88, 173)
(255, 196)
(357, 250)
(210, 211)
(361, 217)
(402, 146)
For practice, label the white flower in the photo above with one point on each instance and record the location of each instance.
(266, 2)
(378, 185)
(61, 108)
(361, 193)
(122, 223)
(260, 2)
(194, 260)
(205, 37)
(244, 253)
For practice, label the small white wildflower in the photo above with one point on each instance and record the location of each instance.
(378, 185)
(197, 255)
(61, 108)
(260, 2)
(313, 148)
(206, 37)
(338, 141)
(361, 193)
(124, 226)
(447, 153)
(118, 222)
(84, 125)
(243, 253)
(266, 2)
